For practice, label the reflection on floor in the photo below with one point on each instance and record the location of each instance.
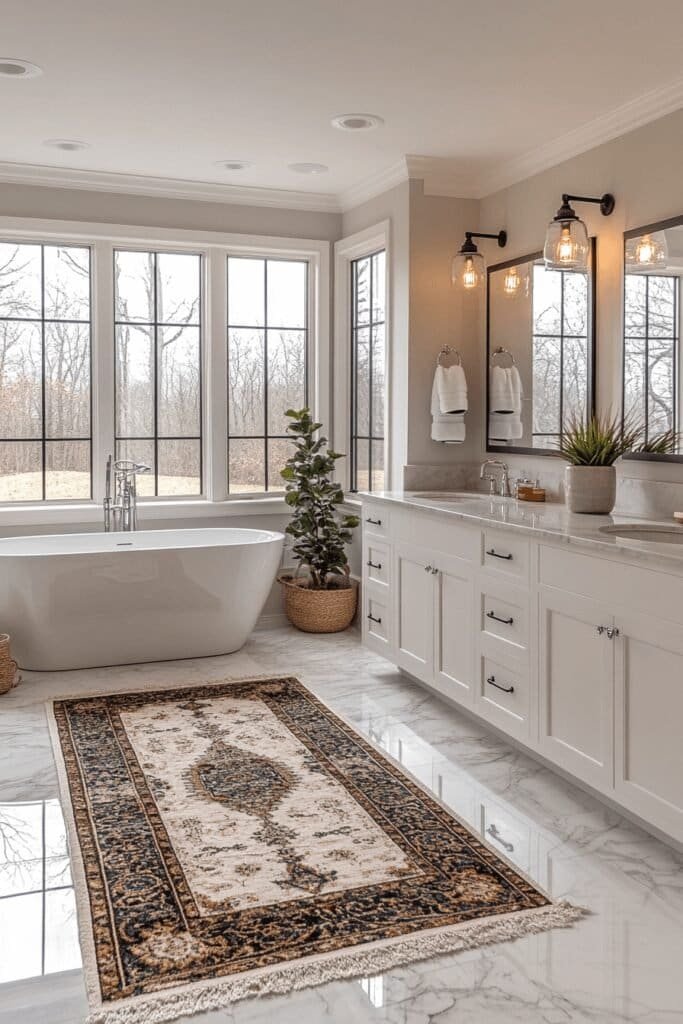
(38, 932)
(621, 964)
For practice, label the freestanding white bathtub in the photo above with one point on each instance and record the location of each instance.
(88, 599)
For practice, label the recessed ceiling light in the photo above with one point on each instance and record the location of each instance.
(67, 145)
(357, 122)
(10, 67)
(306, 168)
(233, 165)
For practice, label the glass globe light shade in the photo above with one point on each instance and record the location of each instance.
(646, 252)
(514, 283)
(468, 269)
(566, 245)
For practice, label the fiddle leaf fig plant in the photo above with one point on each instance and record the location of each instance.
(320, 533)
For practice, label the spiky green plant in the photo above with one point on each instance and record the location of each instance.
(601, 440)
(320, 534)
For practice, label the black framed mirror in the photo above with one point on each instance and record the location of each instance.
(652, 382)
(540, 353)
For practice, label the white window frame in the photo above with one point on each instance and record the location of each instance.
(346, 252)
(214, 247)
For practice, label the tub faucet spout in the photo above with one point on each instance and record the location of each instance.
(120, 514)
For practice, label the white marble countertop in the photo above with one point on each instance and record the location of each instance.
(546, 521)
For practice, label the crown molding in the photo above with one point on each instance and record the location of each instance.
(624, 119)
(444, 176)
(373, 186)
(165, 188)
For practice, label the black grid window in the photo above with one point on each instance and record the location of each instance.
(267, 338)
(158, 368)
(45, 372)
(368, 361)
(651, 334)
(561, 360)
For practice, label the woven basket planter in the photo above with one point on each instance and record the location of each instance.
(319, 611)
(8, 667)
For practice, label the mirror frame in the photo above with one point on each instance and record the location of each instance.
(645, 229)
(592, 347)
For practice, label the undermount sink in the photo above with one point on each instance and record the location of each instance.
(654, 534)
(442, 496)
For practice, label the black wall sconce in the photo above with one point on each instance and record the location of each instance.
(566, 240)
(469, 266)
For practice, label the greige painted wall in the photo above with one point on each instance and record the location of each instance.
(439, 315)
(111, 208)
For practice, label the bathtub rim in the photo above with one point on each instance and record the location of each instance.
(268, 537)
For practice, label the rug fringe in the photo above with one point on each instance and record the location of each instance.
(373, 959)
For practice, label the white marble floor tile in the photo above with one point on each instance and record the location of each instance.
(621, 964)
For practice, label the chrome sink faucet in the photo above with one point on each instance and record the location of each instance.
(504, 490)
(121, 512)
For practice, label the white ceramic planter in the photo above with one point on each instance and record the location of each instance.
(590, 489)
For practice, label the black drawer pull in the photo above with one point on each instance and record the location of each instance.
(506, 622)
(506, 689)
(373, 565)
(373, 619)
(492, 551)
(375, 522)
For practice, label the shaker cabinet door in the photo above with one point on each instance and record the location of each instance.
(414, 611)
(454, 629)
(576, 683)
(649, 713)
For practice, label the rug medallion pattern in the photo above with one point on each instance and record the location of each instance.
(233, 826)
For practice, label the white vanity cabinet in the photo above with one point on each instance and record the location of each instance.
(576, 685)
(611, 680)
(578, 656)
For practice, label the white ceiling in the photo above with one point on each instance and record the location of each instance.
(165, 88)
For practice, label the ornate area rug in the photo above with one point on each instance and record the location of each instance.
(238, 838)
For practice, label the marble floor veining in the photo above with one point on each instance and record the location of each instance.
(622, 963)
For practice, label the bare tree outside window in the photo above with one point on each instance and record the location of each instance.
(368, 360)
(267, 335)
(651, 334)
(45, 353)
(560, 312)
(158, 329)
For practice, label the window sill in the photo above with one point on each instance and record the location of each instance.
(88, 513)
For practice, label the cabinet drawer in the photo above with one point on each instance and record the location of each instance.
(616, 583)
(375, 518)
(506, 554)
(504, 612)
(503, 696)
(439, 533)
(377, 560)
(376, 621)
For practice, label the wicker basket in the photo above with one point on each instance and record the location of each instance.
(8, 667)
(319, 611)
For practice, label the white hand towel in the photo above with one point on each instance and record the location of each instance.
(516, 389)
(505, 427)
(451, 385)
(501, 397)
(448, 429)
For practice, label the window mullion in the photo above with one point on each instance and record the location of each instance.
(215, 347)
(103, 369)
